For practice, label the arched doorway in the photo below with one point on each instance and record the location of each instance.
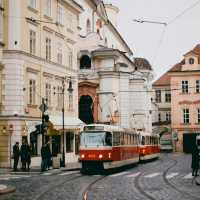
(86, 109)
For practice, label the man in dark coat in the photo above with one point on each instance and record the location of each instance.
(24, 154)
(16, 154)
(44, 158)
(48, 155)
(28, 160)
(195, 161)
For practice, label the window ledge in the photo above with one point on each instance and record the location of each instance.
(184, 93)
(32, 106)
(185, 124)
(59, 24)
(48, 17)
(70, 31)
(33, 9)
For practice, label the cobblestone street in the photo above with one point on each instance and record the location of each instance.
(167, 178)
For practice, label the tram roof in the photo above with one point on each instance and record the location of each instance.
(106, 127)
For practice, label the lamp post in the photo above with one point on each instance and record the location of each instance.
(70, 90)
(63, 122)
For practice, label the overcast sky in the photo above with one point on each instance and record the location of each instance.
(144, 39)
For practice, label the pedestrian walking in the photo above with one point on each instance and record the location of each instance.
(44, 158)
(16, 154)
(48, 154)
(28, 160)
(24, 154)
(195, 161)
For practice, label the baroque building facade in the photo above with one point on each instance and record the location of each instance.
(38, 60)
(113, 86)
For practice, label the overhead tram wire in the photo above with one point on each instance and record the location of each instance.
(183, 12)
(166, 24)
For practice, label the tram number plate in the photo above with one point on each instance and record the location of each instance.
(91, 155)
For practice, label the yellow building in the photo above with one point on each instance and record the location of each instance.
(39, 58)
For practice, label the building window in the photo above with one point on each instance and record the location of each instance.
(70, 59)
(59, 53)
(191, 61)
(186, 116)
(1, 23)
(88, 26)
(198, 115)
(60, 14)
(85, 62)
(70, 105)
(70, 22)
(48, 8)
(69, 142)
(159, 117)
(32, 42)
(48, 49)
(168, 117)
(48, 93)
(32, 3)
(106, 42)
(184, 86)
(59, 97)
(158, 96)
(32, 92)
(197, 86)
(167, 96)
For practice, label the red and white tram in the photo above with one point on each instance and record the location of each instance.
(149, 147)
(106, 146)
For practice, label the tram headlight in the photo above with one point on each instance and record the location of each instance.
(82, 156)
(143, 151)
(100, 156)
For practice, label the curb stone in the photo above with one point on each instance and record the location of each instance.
(4, 189)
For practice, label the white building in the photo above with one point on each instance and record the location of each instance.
(113, 88)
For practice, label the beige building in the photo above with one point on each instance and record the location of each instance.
(39, 58)
(185, 102)
(162, 98)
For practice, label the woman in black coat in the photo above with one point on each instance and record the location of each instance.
(195, 161)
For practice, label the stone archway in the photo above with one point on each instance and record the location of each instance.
(86, 109)
(89, 89)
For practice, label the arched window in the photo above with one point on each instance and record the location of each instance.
(88, 26)
(98, 25)
(85, 62)
(191, 61)
(106, 42)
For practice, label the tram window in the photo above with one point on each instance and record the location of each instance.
(116, 139)
(143, 140)
(108, 139)
(198, 142)
(122, 139)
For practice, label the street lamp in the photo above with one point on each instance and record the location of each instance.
(70, 90)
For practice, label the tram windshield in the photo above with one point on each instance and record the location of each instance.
(96, 139)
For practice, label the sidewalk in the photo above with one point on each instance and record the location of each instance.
(68, 167)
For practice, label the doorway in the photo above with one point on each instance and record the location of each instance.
(86, 109)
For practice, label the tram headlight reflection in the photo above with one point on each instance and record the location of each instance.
(100, 156)
(82, 156)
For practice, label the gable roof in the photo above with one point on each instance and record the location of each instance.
(164, 80)
(195, 51)
(109, 23)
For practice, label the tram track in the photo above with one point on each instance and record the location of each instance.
(183, 193)
(53, 187)
(174, 187)
(89, 187)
